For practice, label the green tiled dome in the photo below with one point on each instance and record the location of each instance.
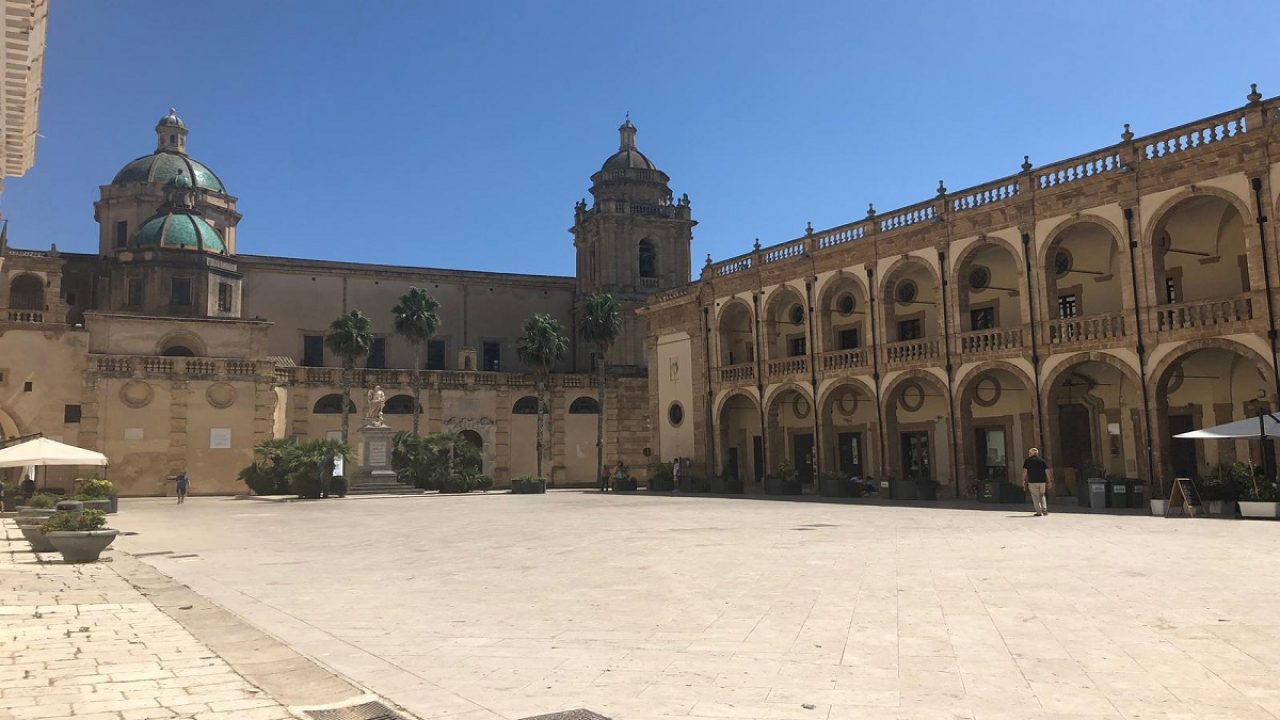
(163, 165)
(179, 230)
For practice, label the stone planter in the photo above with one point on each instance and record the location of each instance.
(625, 485)
(103, 504)
(1253, 509)
(39, 542)
(1158, 506)
(81, 546)
(690, 484)
(778, 486)
(537, 487)
(1217, 507)
(927, 490)
(661, 484)
(40, 513)
(726, 486)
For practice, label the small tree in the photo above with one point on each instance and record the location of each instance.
(541, 346)
(417, 317)
(601, 323)
(350, 338)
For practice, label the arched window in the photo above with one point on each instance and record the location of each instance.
(472, 438)
(26, 292)
(584, 406)
(399, 405)
(527, 405)
(332, 405)
(178, 351)
(648, 260)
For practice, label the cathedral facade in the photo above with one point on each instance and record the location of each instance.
(170, 350)
(1092, 307)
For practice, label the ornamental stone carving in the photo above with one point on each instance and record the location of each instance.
(221, 395)
(458, 424)
(136, 394)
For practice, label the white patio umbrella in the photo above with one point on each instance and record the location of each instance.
(1264, 426)
(43, 451)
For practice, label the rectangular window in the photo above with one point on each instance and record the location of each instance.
(849, 339)
(983, 318)
(135, 293)
(1171, 290)
(122, 234)
(435, 355)
(313, 350)
(70, 414)
(224, 297)
(181, 292)
(377, 354)
(909, 330)
(1067, 307)
(491, 360)
(795, 346)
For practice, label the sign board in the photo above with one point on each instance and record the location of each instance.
(219, 438)
(1184, 495)
(133, 433)
(377, 453)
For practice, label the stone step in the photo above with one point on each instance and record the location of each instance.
(383, 490)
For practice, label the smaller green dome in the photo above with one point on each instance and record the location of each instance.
(179, 230)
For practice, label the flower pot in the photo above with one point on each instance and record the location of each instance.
(39, 542)
(529, 488)
(102, 504)
(1157, 507)
(1217, 507)
(81, 546)
(1253, 509)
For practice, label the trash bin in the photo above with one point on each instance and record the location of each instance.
(1118, 493)
(1097, 494)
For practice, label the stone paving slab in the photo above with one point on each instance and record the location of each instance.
(641, 607)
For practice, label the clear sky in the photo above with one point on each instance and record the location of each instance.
(460, 134)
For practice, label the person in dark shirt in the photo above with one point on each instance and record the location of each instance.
(1037, 478)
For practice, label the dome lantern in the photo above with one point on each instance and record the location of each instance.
(171, 133)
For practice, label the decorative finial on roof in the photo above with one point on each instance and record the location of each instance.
(1026, 163)
(708, 263)
(808, 228)
(1255, 97)
(942, 189)
(1127, 135)
(871, 210)
(757, 245)
(627, 135)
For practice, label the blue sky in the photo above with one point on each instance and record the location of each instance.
(460, 134)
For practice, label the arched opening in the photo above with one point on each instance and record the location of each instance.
(850, 431)
(1204, 387)
(472, 438)
(331, 404)
(997, 427)
(786, 324)
(1198, 252)
(1084, 277)
(400, 405)
(791, 440)
(989, 282)
(917, 434)
(26, 292)
(737, 341)
(527, 405)
(741, 446)
(842, 317)
(648, 259)
(584, 406)
(177, 350)
(1095, 424)
(912, 312)
(181, 344)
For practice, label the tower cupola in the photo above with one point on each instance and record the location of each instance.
(171, 133)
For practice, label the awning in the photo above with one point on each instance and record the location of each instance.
(43, 451)
(1262, 426)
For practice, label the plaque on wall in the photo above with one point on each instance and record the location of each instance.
(377, 453)
(219, 438)
(133, 433)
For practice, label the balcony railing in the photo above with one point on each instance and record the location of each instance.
(846, 359)
(1204, 313)
(735, 374)
(648, 283)
(906, 352)
(788, 367)
(26, 316)
(1085, 329)
(368, 377)
(178, 368)
(995, 340)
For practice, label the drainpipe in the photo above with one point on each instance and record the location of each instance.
(764, 433)
(1035, 350)
(1266, 278)
(1142, 350)
(712, 430)
(951, 390)
(813, 385)
(875, 368)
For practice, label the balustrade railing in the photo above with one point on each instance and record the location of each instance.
(840, 235)
(728, 267)
(984, 195)
(994, 340)
(745, 372)
(912, 351)
(648, 283)
(782, 252)
(1085, 329)
(192, 368)
(1079, 168)
(908, 216)
(846, 359)
(789, 366)
(1204, 313)
(26, 316)
(1192, 136)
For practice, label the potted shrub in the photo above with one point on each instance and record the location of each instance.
(11, 494)
(39, 505)
(97, 494)
(528, 485)
(80, 537)
(783, 482)
(834, 485)
(660, 479)
(1222, 487)
(726, 485)
(1259, 499)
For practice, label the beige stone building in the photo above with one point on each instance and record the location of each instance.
(1092, 307)
(169, 349)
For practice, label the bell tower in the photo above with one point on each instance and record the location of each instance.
(632, 241)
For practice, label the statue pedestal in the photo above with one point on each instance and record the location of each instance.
(375, 453)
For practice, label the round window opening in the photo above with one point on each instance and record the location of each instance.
(675, 414)
(1062, 262)
(906, 292)
(846, 304)
(979, 278)
(797, 314)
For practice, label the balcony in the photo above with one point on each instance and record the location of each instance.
(26, 316)
(851, 359)
(924, 351)
(1093, 329)
(1217, 314)
(993, 342)
(177, 368)
(791, 368)
(741, 374)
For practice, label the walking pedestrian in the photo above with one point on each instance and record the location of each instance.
(675, 472)
(603, 483)
(619, 474)
(1037, 478)
(184, 484)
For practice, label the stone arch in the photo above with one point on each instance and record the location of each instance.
(26, 292)
(331, 404)
(1016, 425)
(917, 374)
(1158, 374)
(849, 437)
(647, 259)
(731, 348)
(1172, 202)
(171, 342)
(896, 266)
(1042, 255)
(901, 425)
(735, 440)
(1007, 314)
(1201, 276)
(833, 282)
(1075, 441)
(9, 428)
(922, 317)
(400, 405)
(833, 325)
(779, 322)
(748, 393)
(772, 392)
(1074, 359)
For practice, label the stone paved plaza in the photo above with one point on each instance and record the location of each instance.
(500, 606)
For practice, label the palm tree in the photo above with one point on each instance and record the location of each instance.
(350, 337)
(540, 348)
(417, 318)
(601, 323)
